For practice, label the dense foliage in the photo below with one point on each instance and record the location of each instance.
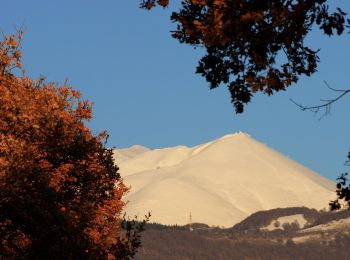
(246, 240)
(180, 244)
(343, 191)
(252, 45)
(60, 192)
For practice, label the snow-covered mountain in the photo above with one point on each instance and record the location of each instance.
(219, 183)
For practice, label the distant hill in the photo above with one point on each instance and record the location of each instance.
(329, 240)
(257, 221)
(219, 183)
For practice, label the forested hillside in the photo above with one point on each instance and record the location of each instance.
(247, 240)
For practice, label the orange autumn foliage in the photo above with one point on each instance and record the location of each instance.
(60, 192)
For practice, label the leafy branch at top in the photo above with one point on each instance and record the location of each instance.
(326, 105)
(244, 39)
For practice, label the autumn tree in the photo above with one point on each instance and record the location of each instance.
(343, 191)
(60, 191)
(252, 45)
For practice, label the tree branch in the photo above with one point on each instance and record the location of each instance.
(327, 102)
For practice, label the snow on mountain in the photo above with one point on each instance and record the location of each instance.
(219, 183)
(279, 222)
(125, 154)
(323, 232)
(341, 224)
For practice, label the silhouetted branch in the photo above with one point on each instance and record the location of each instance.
(327, 102)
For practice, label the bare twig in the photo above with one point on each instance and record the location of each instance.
(326, 102)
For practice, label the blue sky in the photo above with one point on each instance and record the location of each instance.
(145, 90)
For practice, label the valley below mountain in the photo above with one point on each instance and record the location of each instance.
(324, 235)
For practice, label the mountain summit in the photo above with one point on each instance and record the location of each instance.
(219, 183)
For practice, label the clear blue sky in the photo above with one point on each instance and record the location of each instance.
(145, 90)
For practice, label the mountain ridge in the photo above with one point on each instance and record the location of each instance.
(219, 182)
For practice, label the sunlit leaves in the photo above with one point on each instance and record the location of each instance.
(60, 192)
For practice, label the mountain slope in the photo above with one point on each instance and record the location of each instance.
(219, 183)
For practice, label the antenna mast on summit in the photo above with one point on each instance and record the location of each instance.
(190, 224)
